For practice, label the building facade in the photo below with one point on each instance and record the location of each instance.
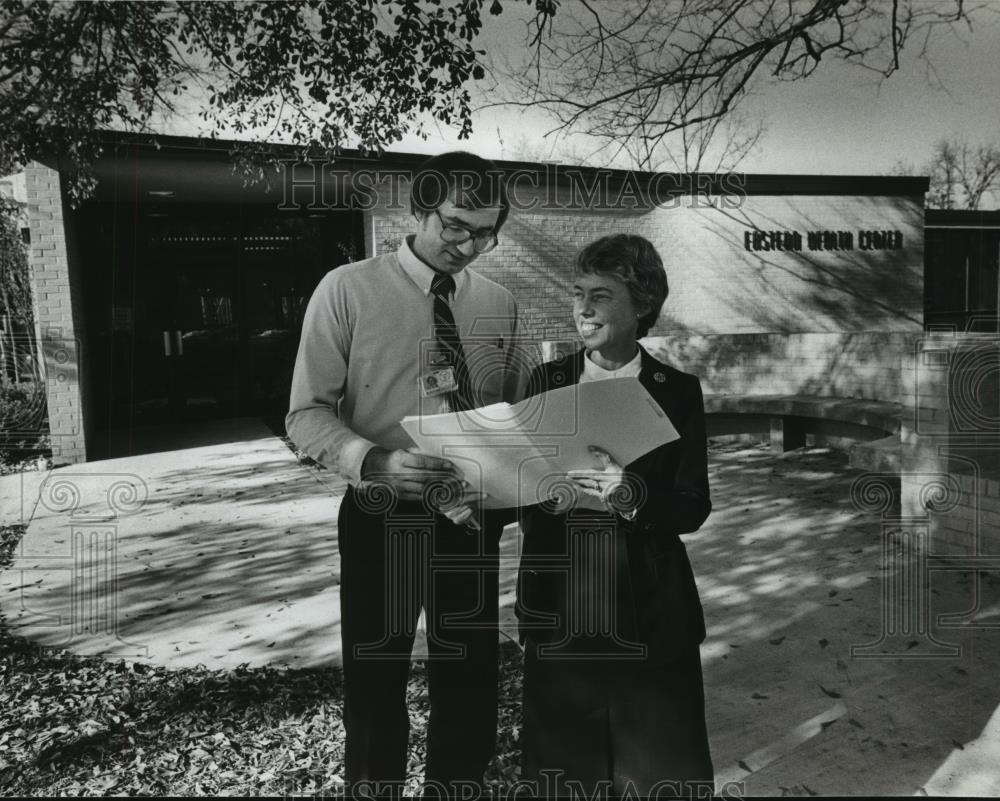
(176, 292)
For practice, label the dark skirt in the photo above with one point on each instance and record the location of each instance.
(616, 726)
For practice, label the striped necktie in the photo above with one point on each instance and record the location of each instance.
(446, 333)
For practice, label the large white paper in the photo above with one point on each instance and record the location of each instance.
(520, 454)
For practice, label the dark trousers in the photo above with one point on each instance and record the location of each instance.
(616, 727)
(393, 564)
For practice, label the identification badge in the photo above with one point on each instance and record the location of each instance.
(438, 357)
(437, 382)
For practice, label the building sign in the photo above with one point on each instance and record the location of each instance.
(867, 239)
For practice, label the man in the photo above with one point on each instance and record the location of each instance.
(407, 333)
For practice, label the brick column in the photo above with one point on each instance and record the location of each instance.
(58, 311)
(951, 441)
(368, 225)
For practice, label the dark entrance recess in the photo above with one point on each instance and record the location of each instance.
(194, 312)
(961, 268)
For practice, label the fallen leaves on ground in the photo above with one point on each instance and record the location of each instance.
(77, 725)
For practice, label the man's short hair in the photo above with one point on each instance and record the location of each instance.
(633, 260)
(476, 183)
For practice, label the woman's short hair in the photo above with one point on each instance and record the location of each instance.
(475, 182)
(633, 260)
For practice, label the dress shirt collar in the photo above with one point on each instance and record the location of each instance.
(420, 273)
(594, 372)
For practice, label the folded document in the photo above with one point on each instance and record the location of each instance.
(520, 454)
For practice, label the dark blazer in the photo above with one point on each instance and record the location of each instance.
(656, 600)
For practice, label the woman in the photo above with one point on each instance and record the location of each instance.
(607, 602)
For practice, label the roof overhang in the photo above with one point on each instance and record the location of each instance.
(170, 169)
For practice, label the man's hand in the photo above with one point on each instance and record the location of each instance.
(410, 473)
(416, 476)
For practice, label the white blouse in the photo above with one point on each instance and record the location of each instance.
(594, 372)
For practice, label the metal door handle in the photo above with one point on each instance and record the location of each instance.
(166, 343)
(180, 344)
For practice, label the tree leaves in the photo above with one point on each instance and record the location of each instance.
(82, 725)
(318, 75)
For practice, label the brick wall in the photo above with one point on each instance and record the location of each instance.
(816, 322)
(865, 364)
(58, 299)
(368, 225)
(717, 285)
(533, 259)
(951, 455)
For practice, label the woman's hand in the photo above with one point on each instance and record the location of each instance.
(604, 483)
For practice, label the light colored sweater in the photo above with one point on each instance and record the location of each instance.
(367, 336)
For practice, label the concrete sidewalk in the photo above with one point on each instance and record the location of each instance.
(804, 695)
(217, 555)
(226, 554)
(220, 555)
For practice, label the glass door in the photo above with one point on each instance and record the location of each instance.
(195, 311)
(282, 257)
(278, 259)
(191, 354)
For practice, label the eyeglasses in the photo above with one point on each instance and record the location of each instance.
(457, 235)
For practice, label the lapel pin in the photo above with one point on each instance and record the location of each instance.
(660, 377)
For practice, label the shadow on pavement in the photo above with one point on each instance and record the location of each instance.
(792, 576)
(226, 555)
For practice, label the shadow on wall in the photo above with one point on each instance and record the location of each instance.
(820, 322)
(847, 365)
(802, 322)
(719, 286)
